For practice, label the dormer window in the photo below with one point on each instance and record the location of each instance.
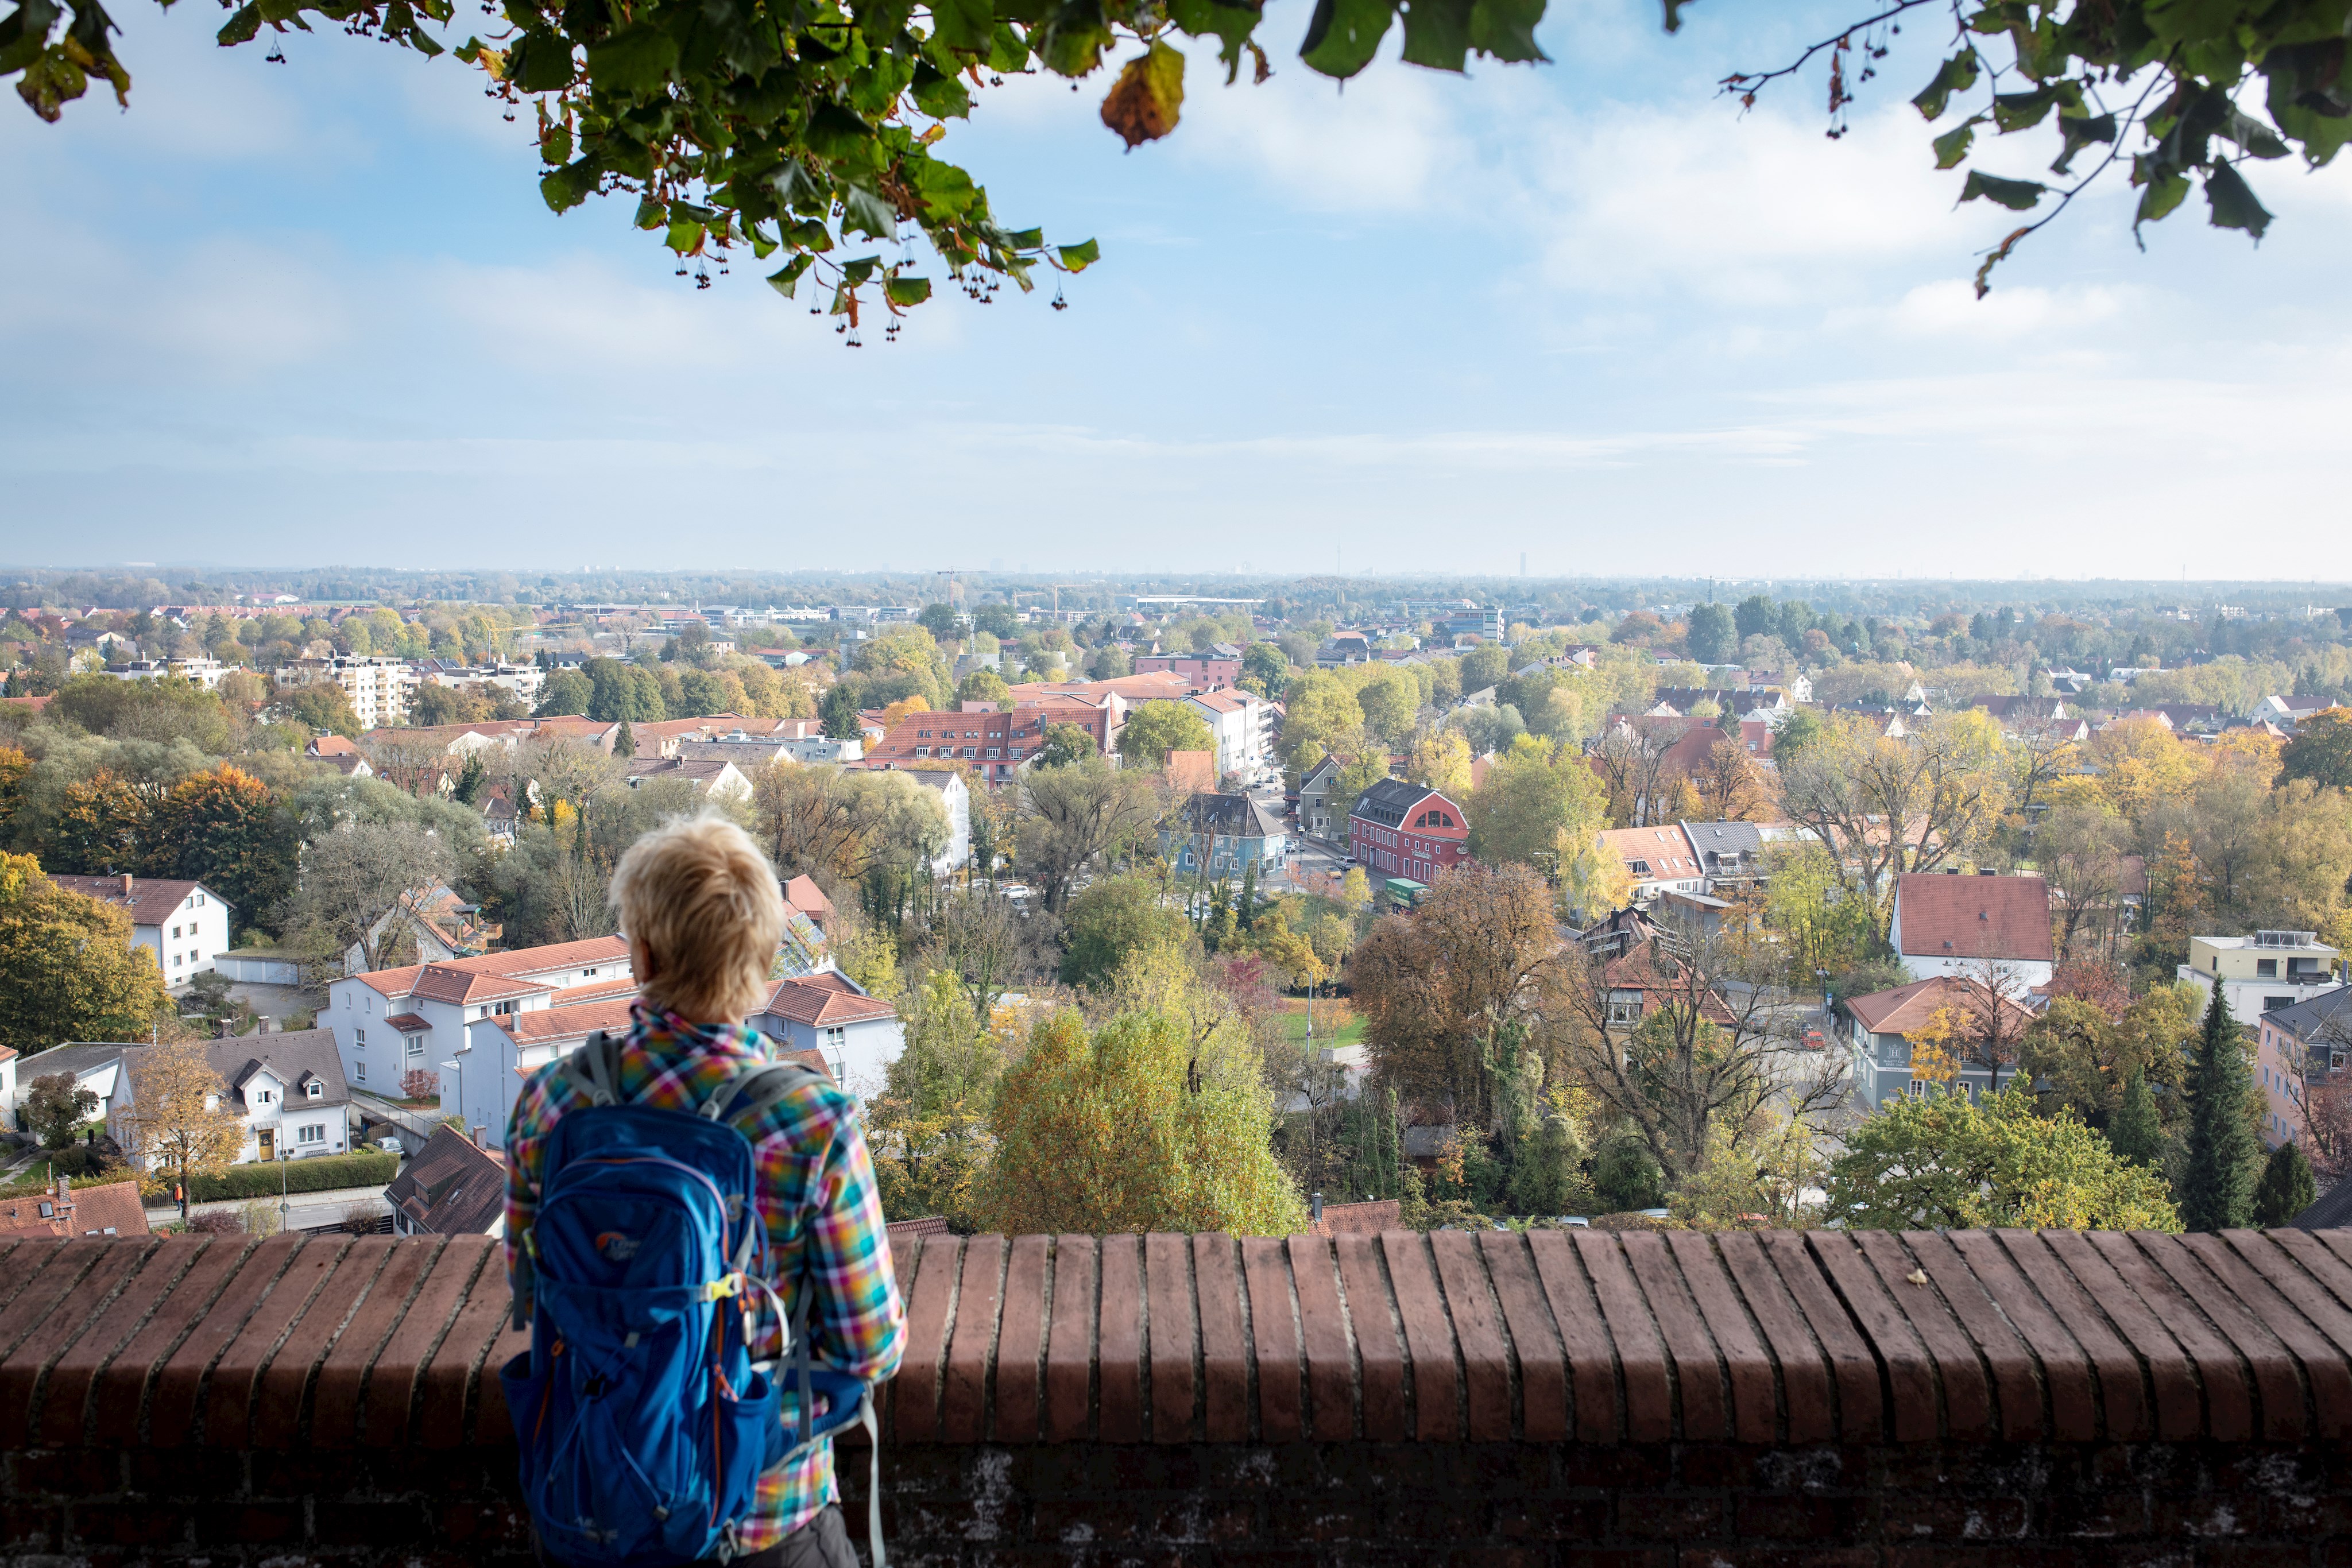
(317, 1091)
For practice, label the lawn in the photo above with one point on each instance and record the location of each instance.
(1336, 1023)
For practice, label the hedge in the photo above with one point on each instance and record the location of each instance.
(323, 1174)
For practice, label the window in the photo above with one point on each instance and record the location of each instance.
(416, 1045)
(1916, 1089)
(314, 1134)
(359, 1071)
(200, 901)
(178, 959)
(359, 1037)
(317, 1091)
(175, 934)
(922, 751)
(2264, 968)
(2273, 1004)
(263, 1097)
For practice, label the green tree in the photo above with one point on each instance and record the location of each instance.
(1109, 663)
(1949, 1161)
(54, 1108)
(2217, 1184)
(619, 691)
(1125, 1129)
(2287, 1188)
(324, 706)
(1484, 665)
(1266, 663)
(2321, 750)
(984, 686)
(566, 692)
(1154, 729)
(68, 970)
(1064, 744)
(1710, 633)
(624, 742)
(841, 715)
(1322, 716)
(1111, 919)
(930, 1123)
(223, 828)
(1539, 805)
(1753, 616)
(2134, 1132)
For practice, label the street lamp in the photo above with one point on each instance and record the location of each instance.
(458, 1068)
(284, 1208)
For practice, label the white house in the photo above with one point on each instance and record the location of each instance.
(857, 1035)
(97, 1068)
(185, 924)
(291, 1089)
(206, 673)
(2262, 973)
(715, 779)
(380, 689)
(388, 1022)
(1950, 924)
(480, 1082)
(1236, 719)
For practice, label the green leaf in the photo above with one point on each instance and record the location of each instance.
(762, 248)
(939, 95)
(1007, 49)
(2167, 188)
(2017, 196)
(1144, 103)
(964, 25)
(685, 235)
(1953, 145)
(2080, 133)
(836, 134)
(540, 61)
(809, 234)
(853, 272)
(565, 188)
(2251, 135)
(1506, 29)
(1230, 24)
(25, 34)
(1956, 75)
(907, 290)
(2232, 201)
(1024, 239)
(2020, 110)
(794, 185)
(1438, 33)
(555, 146)
(1079, 258)
(787, 278)
(1344, 34)
(636, 61)
(947, 190)
(1674, 14)
(868, 213)
(650, 214)
(241, 27)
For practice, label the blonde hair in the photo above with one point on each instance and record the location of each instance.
(700, 904)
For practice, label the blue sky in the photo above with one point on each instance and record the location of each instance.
(315, 313)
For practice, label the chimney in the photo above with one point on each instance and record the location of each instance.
(479, 1131)
(1317, 1214)
(220, 1031)
(126, 884)
(263, 1024)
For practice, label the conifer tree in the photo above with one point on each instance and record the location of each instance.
(2217, 1191)
(2135, 1130)
(2287, 1188)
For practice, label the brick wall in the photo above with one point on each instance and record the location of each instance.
(1584, 1398)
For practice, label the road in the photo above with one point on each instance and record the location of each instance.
(305, 1210)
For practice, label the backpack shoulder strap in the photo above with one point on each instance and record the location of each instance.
(755, 1088)
(595, 1067)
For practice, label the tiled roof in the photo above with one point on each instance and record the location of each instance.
(803, 894)
(1906, 1008)
(930, 1225)
(1391, 801)
(150, 899)
(520, 962)
(115, 1206)
(1944, 916)
(1235, 816)
(593, 991)
(820, 1001)
(542, 1024)
(450, 1188)
(291, 1057)
(406, 1023)
(1360, 1218)
(446, 983)
(1663, 849)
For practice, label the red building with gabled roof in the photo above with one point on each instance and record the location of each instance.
(1404, 830)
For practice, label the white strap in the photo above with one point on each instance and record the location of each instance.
(874, 1477)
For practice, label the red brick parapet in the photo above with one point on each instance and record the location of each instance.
(170, 1400)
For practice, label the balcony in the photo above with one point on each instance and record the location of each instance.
(1395, 1398)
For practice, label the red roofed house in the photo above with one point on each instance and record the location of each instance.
(856, 1036)
(993, 744)
(1950, 924)
(183, 925)
(1658, 860)
(389, 1022)
(1401, 829)
(1879, 1028)
(114, 1209)
(802, 893)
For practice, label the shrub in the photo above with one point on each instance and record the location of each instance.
(420, 1084)
(219, 1222)
(323, 1174)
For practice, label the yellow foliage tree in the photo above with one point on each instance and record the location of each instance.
(181, 1123)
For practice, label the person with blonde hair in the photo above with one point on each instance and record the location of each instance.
(703, 913)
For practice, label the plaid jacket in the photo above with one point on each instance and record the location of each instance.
(816, 1193)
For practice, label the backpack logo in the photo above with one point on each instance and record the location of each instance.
(616, 1247)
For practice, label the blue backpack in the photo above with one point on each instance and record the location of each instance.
(644, 1423)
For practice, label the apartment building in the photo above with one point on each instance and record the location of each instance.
(390, 1022)
(381, 690)
(2264, 972)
